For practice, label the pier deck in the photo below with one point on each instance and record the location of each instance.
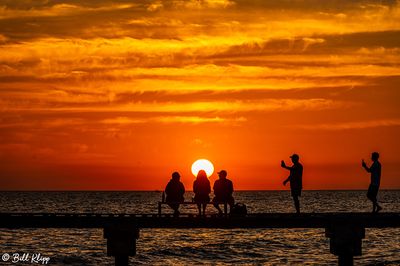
(259, 220)
(345, 230)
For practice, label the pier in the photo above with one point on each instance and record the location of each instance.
(345, 230)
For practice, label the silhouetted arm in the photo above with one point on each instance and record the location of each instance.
(167, 189)
(364, 165)
(283, 165)
(367, 169)
(286, 180)
(182, 192)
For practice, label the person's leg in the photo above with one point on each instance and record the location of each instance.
(296, 203)
(230, 206)
(216, 205)
(204, 208)
(199, 208)
(371, 197)
(373, 204)
(231, 203)
(378, 207)
(172, 206)
(176, 209)
(373, 200)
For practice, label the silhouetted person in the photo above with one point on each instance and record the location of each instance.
(174, 191)
(201, 189)
(375, 171)
(295, 179)
(223, 189)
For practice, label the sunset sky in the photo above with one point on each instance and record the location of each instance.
(116, 95)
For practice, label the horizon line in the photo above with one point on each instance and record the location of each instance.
(158, 190)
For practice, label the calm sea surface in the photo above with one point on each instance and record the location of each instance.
(197, 246)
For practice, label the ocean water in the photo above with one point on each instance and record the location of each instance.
(197, 246)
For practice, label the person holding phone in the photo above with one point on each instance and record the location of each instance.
(373, 188)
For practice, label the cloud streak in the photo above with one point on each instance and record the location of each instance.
(353, 125)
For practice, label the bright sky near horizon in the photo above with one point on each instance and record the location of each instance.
(114, 95)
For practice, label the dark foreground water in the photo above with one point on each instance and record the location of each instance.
(197, 246)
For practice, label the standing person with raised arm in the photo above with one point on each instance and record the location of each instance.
(295, 179)
(373, 188)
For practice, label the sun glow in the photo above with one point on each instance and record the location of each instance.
(202, 164)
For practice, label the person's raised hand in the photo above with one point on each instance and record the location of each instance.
(363, 164)
(283, 163)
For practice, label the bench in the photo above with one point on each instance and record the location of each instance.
(160, 203)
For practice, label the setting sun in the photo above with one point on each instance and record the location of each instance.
(202, 164)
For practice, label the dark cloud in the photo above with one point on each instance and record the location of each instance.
(386, 39)
(82, 23)
(312, 5)
(253, 4)
(115, 19)
(42, 4)
(322, 44)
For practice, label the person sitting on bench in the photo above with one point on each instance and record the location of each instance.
(174, 191)
(201, 189)
(223, 189)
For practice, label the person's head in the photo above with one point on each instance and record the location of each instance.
(222, 174)
(201, 175)
(176, 176)
(375, 156)
(295, 158)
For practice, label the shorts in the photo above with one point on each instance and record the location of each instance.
(220, 200)
(372, 192)
(296, 192)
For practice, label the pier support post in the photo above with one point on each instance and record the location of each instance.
(345, 242)
(121, 242)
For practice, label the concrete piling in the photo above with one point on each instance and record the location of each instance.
(121, 242)
(345, 241)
